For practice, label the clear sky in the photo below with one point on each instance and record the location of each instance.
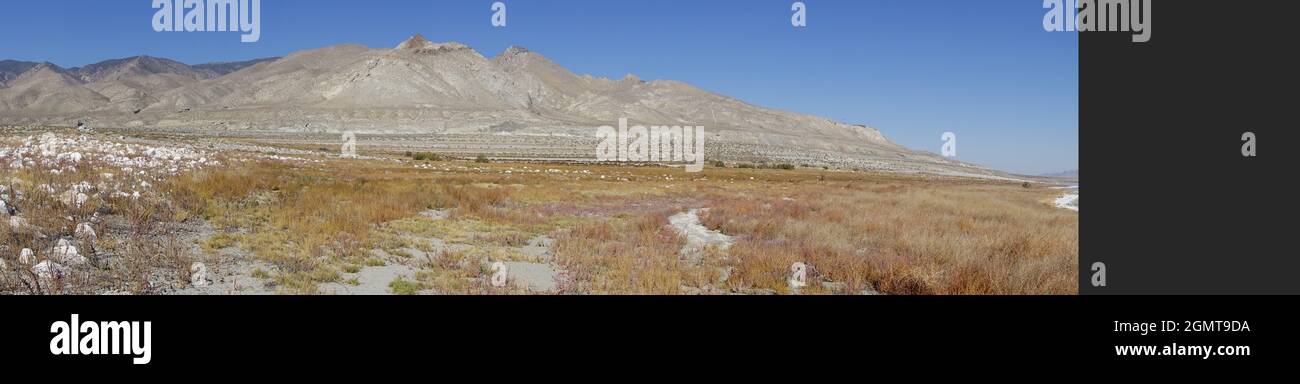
(985, 70)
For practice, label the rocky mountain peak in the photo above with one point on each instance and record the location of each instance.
(45, 69)
(421, 86)
(515, 50)
(420, 44)
(10, 69)
(415, 42)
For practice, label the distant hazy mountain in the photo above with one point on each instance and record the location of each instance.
(49, 90)
(1071, 174)
(119, 69)
(10, 69)
(134, 83)
(421, 86)
(118, 85)
(225, 68)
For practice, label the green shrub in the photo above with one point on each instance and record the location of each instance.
(401, 286)
(426, 156)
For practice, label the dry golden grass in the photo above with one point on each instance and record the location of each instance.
(895, 234)
(146, 253)
(909, 238)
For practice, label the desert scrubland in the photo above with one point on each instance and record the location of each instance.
(123, 213)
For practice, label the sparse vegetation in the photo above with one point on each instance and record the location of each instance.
(321, 222)
(425, 156)
(402, 286)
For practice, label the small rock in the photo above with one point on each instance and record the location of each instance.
(18, 224)
(26, 257)
(50, 270)
(86, 233)
(73, 157)
(67, 253)
(74, 198)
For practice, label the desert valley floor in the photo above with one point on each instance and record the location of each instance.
(128, 212)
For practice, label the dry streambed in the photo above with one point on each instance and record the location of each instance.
(426, 264)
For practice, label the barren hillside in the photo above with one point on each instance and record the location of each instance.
(426, 88)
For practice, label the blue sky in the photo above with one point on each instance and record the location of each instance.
(984, 70)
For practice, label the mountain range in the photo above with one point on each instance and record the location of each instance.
(425, 87)
(1070, 174)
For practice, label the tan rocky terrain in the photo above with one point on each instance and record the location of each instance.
(10, 69)
(434, 96)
